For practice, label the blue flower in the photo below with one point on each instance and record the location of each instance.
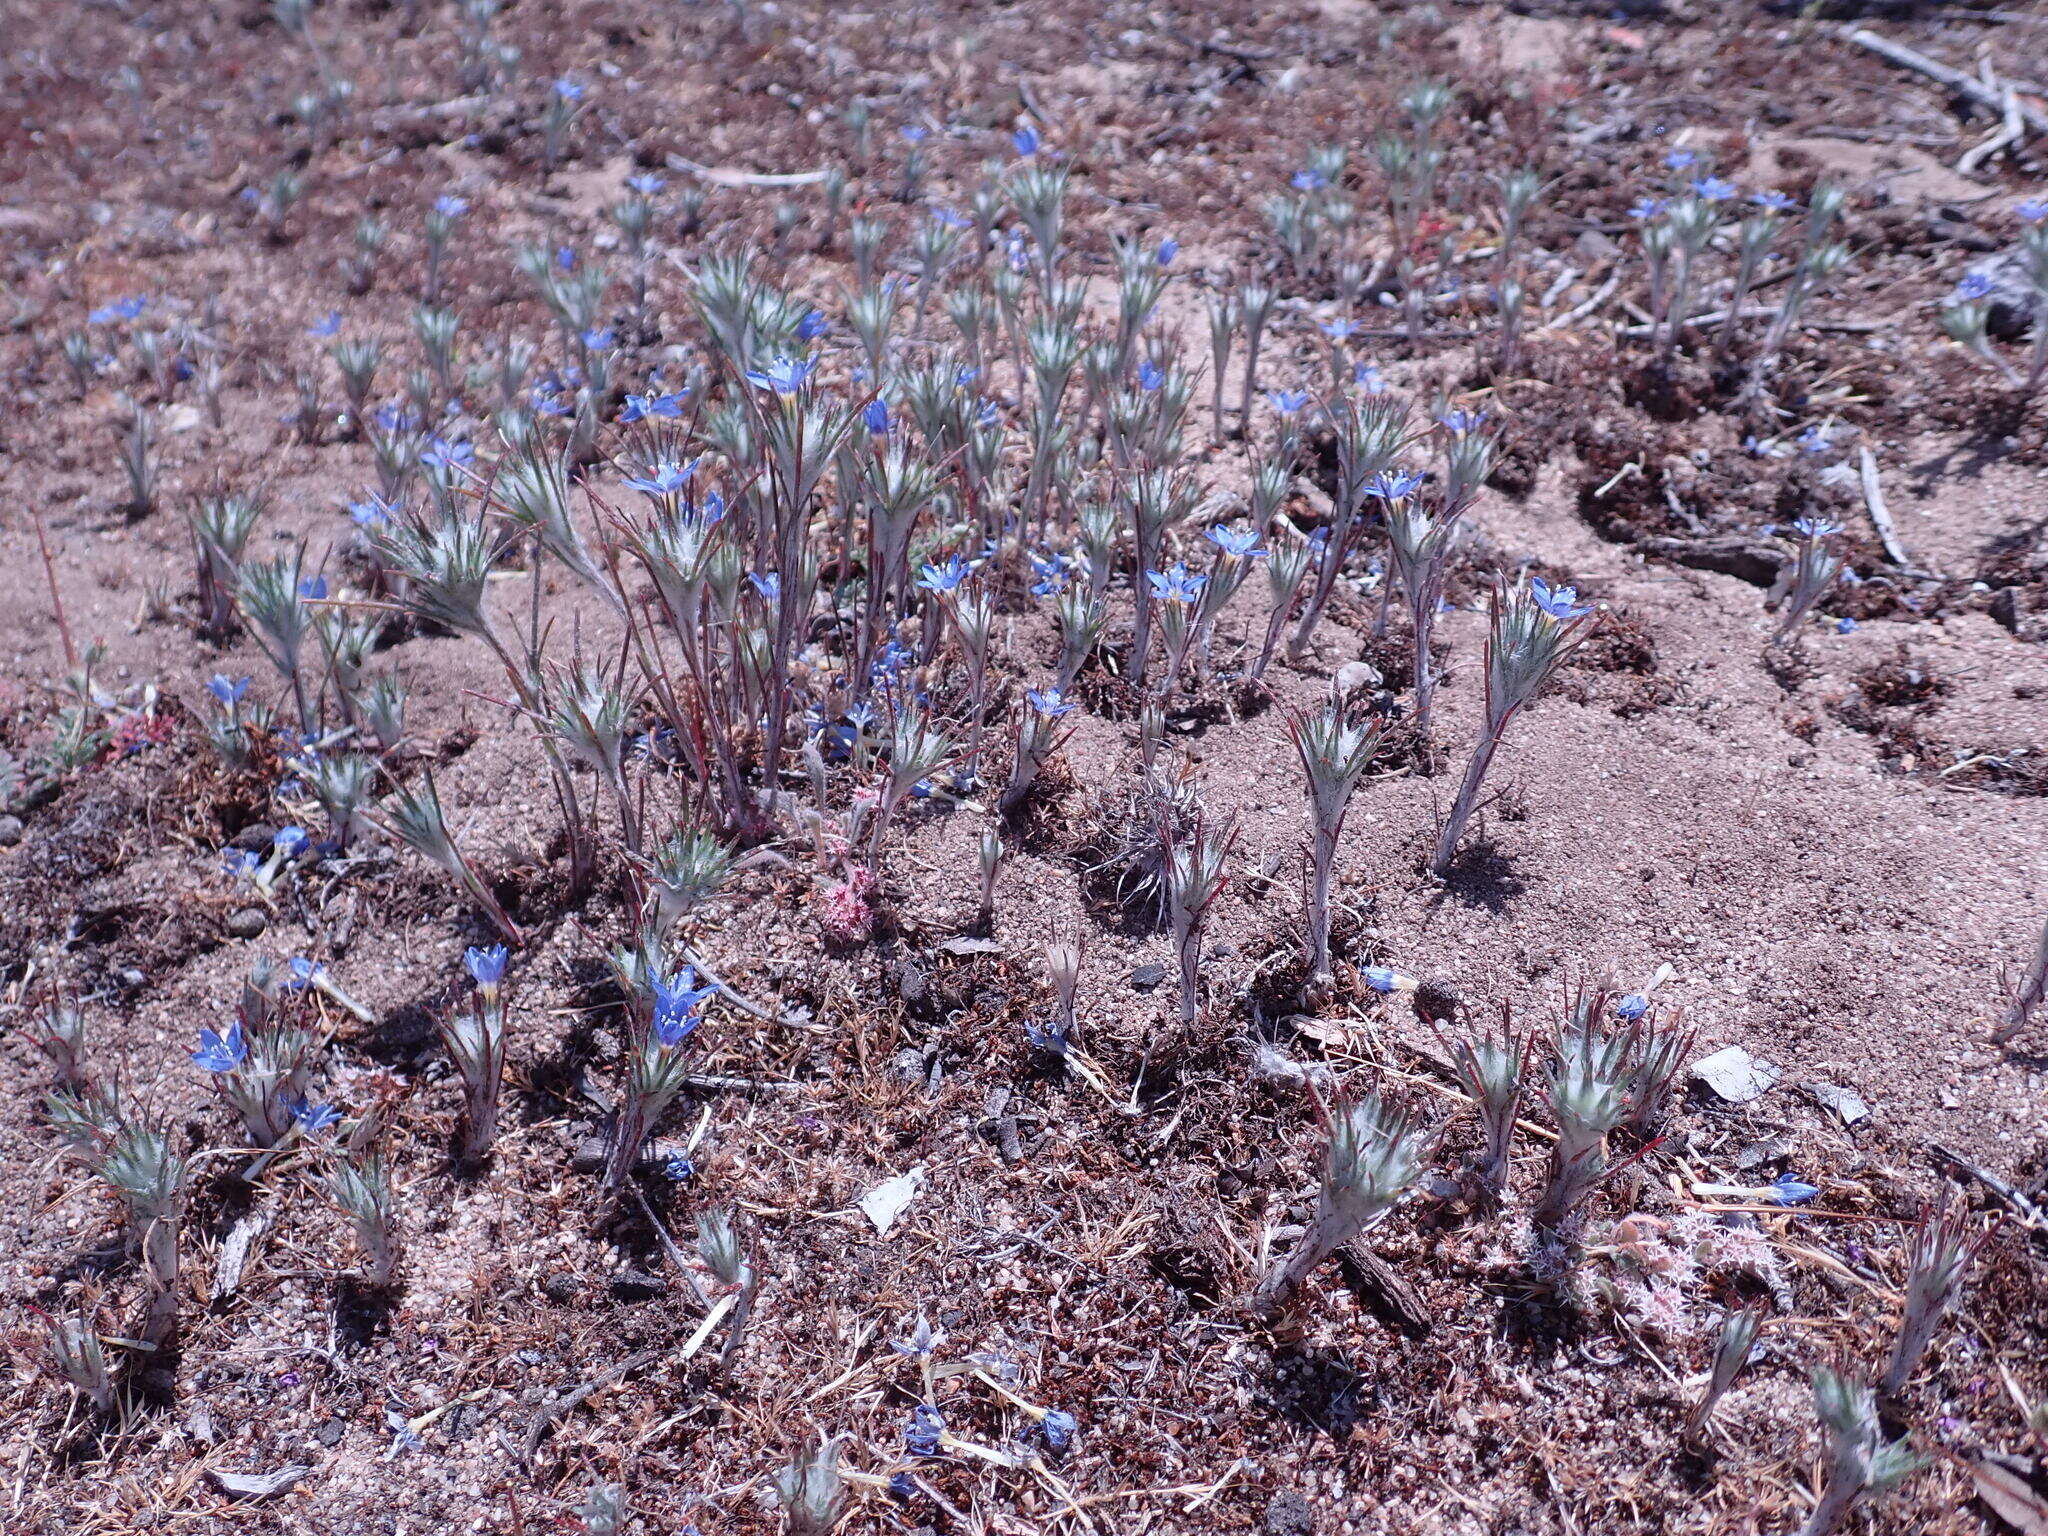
(927, 1429)
(1634, 1006)
(1379, 977)
(1308, 181)
(239, 863)
(228, 691)
(1975, 285)
(1150, 375)
(1367, 378)
(1168, 249)
(565, 258)
(1646, 208)
(1681, 159)
(1815, 439)
(120, 309)
(1845, 625)
(486, 966)
(1339, 329)
(812, 326)
(1058, 1427)
(2033, 211)
(875, 417)
(1713, 189)
(950, 219)
(943, 578)
(1287, 401)
(639, 407)
(676, 1168)
(1025, 141)
(223, 1052)
(1459, 422)
(785, 375)
(311, 1118)
(676, 1001)
(1393, 485)
(1052, 574)
(647, 184)
(371, 512)
(443, 454)
(304, 973)
(769, 585)
(313, 588)
(1050, 702)
(290, 842)
(327, 325)
(1176, 585)
(1240, 542)
(568, 89)
(1561, 603)
(598, 339)
(915, 133)
(1786, 1190)
(1774, 200)
(449, 206)
(666, 479)
(1816, 528)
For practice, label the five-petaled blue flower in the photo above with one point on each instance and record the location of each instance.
(1379, 977)
(1680, 159)
(1150, 375)
(1816, 527)
(1774, 200)
(667, 478)
(1050, 702)
(915, 133)
(222, 1052)
(1339, 329)
(371, 512)
(875, 417)
(1634, 1006)
(568, 89)
(1240, 542)
(1713, 189)
(327, 325)
(1975, 285)
(640, 407)
(1561, 603)
(120, 309)
(290, 842)
(785, 375)
(676, 1001)
(1058, 1426)
(1815, 439)
(1786, 1190)
(812, 326)
(1308, 181)
(1646, 208)
(443, 454)
(1287, 401)
(1025, 141)
(2033, 211)
(943, 578)
(1177, 584)
(228, 690)
(1393, 485)
(449, 206)
(768, 584)
(646, 183)
(485, 965)
(1168, 249)
(598, 339)
(1459, 422)
(1845, 625)
(313, 588)
(311, 1117)
(239, 863)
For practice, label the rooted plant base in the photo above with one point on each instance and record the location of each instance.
(1835, 845)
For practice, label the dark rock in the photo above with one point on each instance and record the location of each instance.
(254, 838)
(638, 1285)
(330, 1433)
(1288, 1514)
(560, 1288)
(1146, 977)
(10, 831)
(248, 923)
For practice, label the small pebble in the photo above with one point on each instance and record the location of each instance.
(248, 923)
(10, 831)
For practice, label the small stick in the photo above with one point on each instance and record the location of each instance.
(2029, 1212)
(1955, 79)
(2010, 132)
(56, 597)
(1880, 514)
